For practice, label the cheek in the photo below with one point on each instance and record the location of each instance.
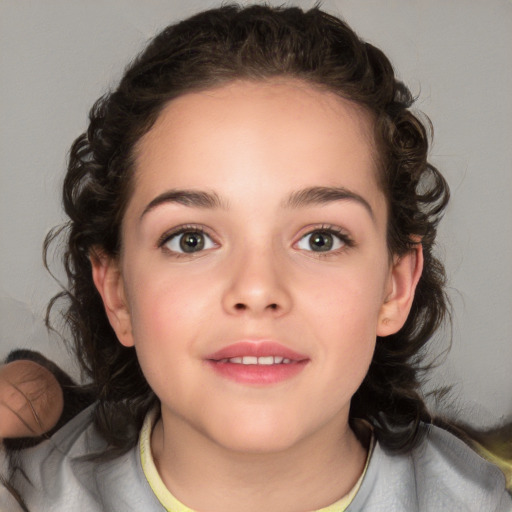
(343, 315)
(167, 306)
(349, 297)
(167, 321)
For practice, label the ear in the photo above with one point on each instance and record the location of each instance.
(109, 282)
(403, 279)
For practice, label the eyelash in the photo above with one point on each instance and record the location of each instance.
(347, 241)
(174, 232)
(339, 233)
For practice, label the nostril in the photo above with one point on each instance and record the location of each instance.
(240, 306)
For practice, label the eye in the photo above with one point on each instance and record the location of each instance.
(323, 240)
(188, 241)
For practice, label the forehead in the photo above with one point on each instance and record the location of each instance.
(284, 132)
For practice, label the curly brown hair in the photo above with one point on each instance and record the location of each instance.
(210, 49)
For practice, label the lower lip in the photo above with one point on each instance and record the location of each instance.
(257, 373)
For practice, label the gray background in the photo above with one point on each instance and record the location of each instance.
(58, 56)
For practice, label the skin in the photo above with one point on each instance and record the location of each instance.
(254, 145)
(31, 400)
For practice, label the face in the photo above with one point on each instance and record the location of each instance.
(254, 275)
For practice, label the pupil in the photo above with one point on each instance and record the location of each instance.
(191, 242)
(321, 241)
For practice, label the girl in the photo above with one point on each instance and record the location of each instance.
(252, 284)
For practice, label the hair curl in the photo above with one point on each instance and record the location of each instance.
(207, 50)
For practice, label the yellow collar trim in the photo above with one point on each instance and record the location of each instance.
(171, 504)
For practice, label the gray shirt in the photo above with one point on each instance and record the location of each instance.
(441, 474)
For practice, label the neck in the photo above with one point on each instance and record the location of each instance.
(309, 475)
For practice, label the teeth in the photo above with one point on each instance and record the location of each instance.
(265, 360)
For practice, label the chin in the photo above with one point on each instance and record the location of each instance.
(263, 445)
(257, 437)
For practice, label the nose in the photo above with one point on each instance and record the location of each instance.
(257, 285)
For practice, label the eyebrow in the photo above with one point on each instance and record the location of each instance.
(312, 196)
(191, 198)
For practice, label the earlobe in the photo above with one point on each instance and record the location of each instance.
(404, 277)
(108, 280)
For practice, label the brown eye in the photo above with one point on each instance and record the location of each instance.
(321, 241)
(189, 242)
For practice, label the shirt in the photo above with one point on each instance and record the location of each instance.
(440, 474)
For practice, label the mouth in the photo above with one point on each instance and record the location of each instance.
(257, 363)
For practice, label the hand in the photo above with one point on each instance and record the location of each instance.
(31, 400)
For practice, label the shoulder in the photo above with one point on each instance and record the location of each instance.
(441, 473)
(451, 472)
(60, 474)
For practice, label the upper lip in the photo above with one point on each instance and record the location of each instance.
(257, 349)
